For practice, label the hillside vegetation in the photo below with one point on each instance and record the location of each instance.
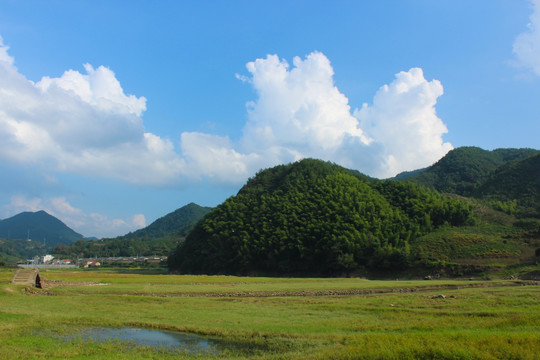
(463, 169)
(313, 217)
(519, 181)
(177, 223)
(158, 238)
(506, 179)
(14, 250)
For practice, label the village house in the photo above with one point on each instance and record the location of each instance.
(91, 263)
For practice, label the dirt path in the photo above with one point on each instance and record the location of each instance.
(49, 284)
(348, 292)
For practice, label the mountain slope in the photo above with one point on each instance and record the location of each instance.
(13, 250)
(464, 168)
(178, 222)
(39, 226)
(158, 238)
(313, 217)
(518, 180)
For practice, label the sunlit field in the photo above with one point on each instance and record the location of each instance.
(271, 318)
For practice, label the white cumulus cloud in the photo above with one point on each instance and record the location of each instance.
(214, 157)
(139, 220)
(84, 123)
(527, 45)
(80, 123)
(403, 120)
(301, 113)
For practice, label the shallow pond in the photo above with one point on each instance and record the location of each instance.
(192, 343)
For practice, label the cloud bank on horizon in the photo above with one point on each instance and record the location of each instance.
(85, 124)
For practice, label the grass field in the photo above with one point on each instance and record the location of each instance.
(271, 318)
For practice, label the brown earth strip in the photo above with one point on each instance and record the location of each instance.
(49, 284)
(347, 292)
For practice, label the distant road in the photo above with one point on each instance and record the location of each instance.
(43, 266)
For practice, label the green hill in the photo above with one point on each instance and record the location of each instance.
(504, 186)
(39, 226)
(463, 169)
(179, 222)
(505, 179)
(158, 238)
(14, 250)
(317, 218)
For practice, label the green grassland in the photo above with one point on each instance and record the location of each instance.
(272, 318)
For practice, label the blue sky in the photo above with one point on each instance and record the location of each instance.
(115, 113)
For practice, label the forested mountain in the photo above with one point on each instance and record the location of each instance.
(463, 169)
(39, 226)
(158, 238)
(508, 179)
(518, 180)
(178, 223)
(314, 217)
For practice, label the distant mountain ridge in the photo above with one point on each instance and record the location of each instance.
(464, 169)
(39, 226)
(158, 238)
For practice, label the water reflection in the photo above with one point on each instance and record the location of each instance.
(192, 343)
